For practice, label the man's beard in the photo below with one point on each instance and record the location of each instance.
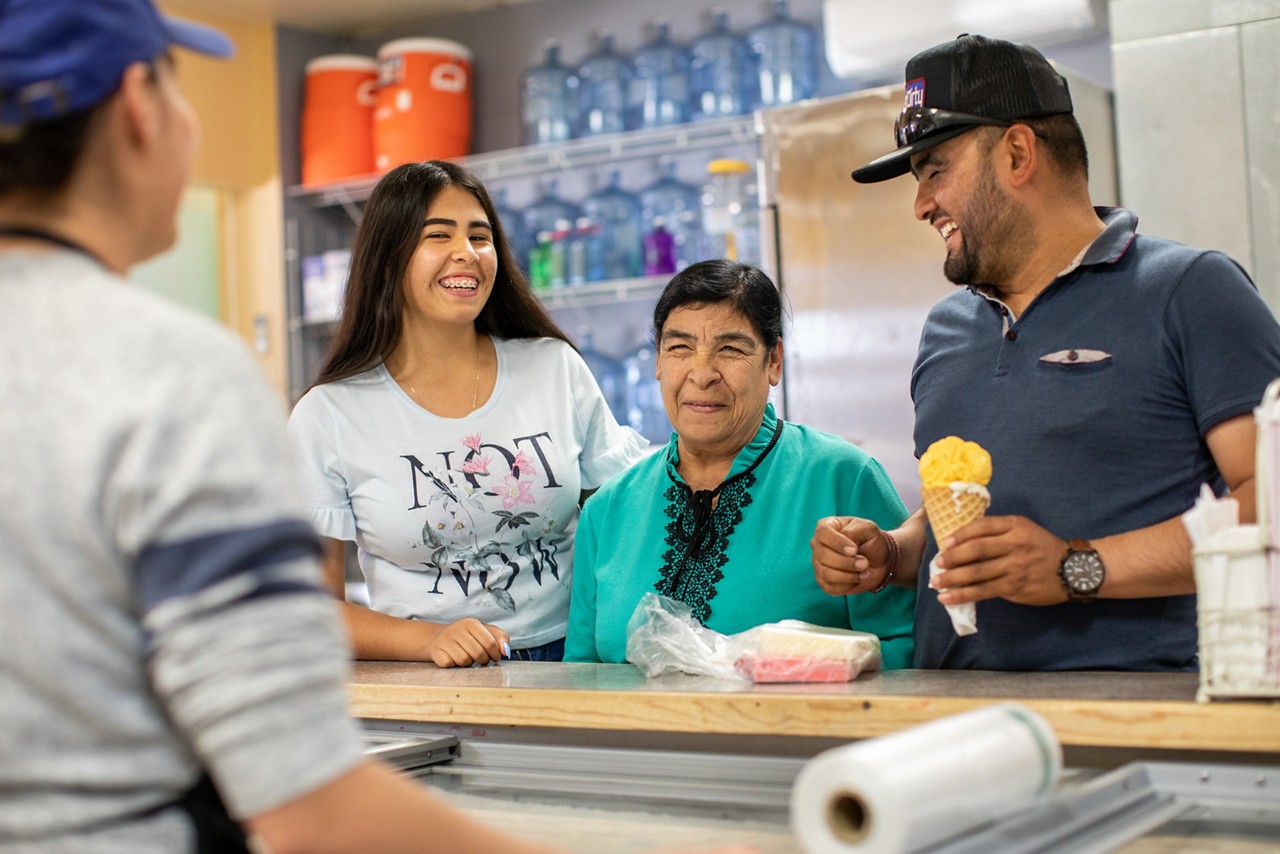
(989, 221)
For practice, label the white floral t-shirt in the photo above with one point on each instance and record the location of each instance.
(465, 517)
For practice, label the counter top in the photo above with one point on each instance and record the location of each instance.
(1127, 710)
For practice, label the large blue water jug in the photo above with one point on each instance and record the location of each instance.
(660, 85)
(603, 80)
(548, 212)
(609, 373)
(785, 53)
(617, 213)
(513, 227)
(549, 99)
(646, 412)
(720, 72)
(677, 207)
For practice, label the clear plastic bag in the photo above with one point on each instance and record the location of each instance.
(664, 637)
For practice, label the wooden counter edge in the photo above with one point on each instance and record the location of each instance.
(1231, 726)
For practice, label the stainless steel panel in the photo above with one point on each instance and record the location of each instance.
(654, 776)
(858, 271)
(1140, 19)
(1143, 807)
(1179, 120)
(1260, 47)
(410, 752)
(1095, 111)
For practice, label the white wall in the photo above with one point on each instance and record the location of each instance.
(1198, 125)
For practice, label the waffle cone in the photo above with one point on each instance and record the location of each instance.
(950, 511)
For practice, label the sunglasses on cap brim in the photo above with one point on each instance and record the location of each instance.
(915, 123)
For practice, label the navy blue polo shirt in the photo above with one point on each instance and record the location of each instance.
(1094, 405)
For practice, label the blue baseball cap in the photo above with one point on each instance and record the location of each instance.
(63, 56)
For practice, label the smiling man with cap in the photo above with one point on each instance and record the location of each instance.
(1108, 373)
(172, 674)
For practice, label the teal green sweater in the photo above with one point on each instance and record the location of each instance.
(754, 565)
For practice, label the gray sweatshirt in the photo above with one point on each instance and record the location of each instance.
(159, 608)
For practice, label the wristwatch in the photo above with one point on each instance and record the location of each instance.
(1082, 571)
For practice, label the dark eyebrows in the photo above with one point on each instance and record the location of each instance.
(737, 338)
(475, 223)
(727, 337)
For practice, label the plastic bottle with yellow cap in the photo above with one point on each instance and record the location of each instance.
(730, 212)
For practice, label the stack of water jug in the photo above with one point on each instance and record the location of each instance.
(662, 83)
(613, 233)
(661, 222)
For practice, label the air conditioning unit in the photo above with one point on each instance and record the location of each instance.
(868, 36)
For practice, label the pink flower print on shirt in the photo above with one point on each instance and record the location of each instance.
(515, 491)
(476, 465)
(473, 442)
(522, 466)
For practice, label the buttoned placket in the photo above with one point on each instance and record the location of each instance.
(1008, 318)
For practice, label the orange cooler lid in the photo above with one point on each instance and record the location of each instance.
(342, 62)
(425, 45)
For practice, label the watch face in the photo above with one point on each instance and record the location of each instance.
(1082, 571)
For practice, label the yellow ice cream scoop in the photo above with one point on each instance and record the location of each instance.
(952, 460)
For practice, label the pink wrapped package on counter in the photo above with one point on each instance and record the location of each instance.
(792, 651)
(664, 637)
(763, 669)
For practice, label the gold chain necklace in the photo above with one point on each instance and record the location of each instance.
(475, 397)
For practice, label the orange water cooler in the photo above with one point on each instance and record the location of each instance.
(424, 102)
(337, 118)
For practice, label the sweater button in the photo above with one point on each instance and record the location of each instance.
(1011, 335)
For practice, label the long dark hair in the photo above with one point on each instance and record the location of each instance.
(390, 229)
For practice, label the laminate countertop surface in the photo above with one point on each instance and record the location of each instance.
(1110, 710)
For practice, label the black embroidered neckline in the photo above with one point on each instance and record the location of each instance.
(698, 534)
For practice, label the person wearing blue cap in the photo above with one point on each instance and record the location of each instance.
(1109, 374)
(172, 673)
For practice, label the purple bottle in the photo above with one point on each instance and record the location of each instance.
(659, 250)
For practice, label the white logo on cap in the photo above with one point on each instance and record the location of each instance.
(915, 93)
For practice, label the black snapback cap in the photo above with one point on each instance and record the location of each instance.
(978, 76)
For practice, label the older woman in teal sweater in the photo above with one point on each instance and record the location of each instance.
(720, 519)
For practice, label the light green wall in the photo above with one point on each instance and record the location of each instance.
(189, 272)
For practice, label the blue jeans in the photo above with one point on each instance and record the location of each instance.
(553, 651)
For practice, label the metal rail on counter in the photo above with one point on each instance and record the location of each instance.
(590, 799)
(1145, 712)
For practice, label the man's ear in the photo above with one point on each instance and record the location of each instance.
(1022, 152)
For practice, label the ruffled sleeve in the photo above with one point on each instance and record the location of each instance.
(324, 487)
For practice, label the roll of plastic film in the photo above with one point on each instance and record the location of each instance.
(920, 786)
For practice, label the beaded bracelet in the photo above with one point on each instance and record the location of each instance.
(893, 562)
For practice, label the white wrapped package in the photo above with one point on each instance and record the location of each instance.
(915, 788)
